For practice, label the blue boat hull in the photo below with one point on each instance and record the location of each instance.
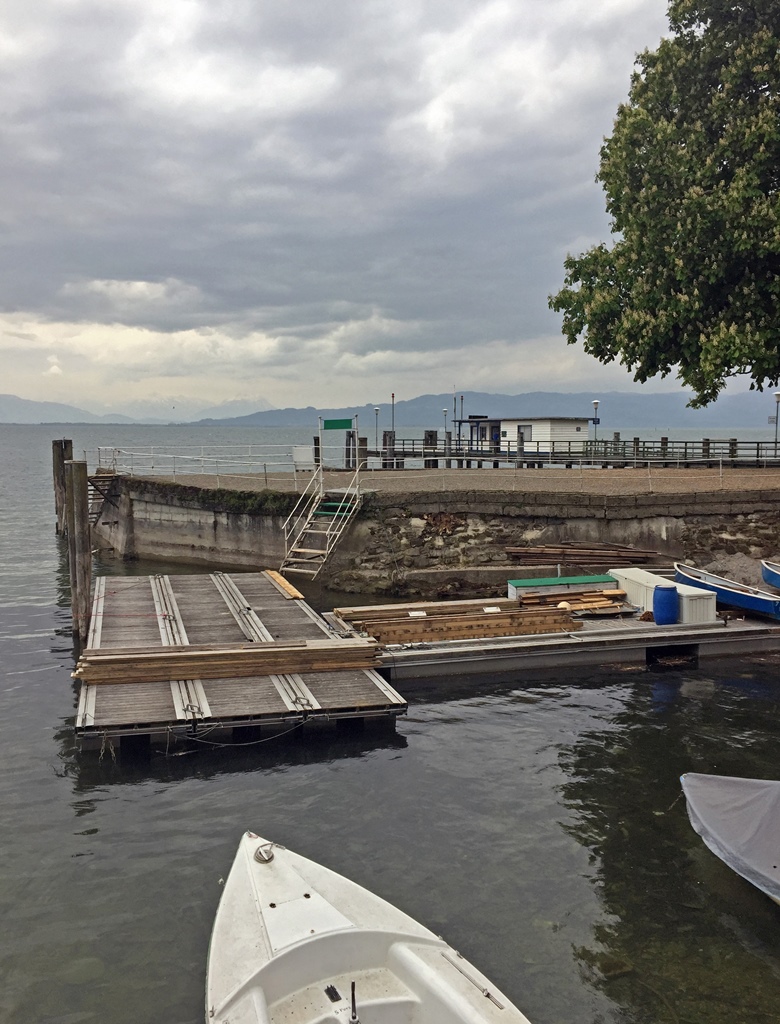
(759, 604)
(770, 573)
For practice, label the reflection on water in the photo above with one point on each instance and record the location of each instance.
(169, 767)
(684, 937)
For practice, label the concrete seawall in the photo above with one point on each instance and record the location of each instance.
(402, 535)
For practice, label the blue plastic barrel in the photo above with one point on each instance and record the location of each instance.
(665, 604)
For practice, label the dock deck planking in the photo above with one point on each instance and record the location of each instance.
(155, 613)
(284, 619)
(128, 617)
(207, 616)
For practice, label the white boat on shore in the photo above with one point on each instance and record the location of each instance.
(295, 942)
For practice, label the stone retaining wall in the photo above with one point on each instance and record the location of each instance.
(399, 536)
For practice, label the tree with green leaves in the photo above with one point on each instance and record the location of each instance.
(691, 174)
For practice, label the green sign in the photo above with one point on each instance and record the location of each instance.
(337, 425)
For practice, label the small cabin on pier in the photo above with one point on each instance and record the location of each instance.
(513, 434)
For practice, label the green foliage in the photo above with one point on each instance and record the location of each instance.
(691, 175)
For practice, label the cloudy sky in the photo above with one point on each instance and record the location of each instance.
(206, 200)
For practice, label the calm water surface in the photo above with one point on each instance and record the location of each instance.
(533, 821)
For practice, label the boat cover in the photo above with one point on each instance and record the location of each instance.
(739, 820)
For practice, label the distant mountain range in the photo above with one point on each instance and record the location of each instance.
(21, 410)
(617, 410)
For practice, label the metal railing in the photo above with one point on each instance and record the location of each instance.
(295, 524)
(271, 464)
(665, 451)
(235, 461)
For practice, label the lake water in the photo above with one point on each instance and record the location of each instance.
(535, 821)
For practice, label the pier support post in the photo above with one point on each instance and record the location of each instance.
(430, 444)
(61, 452)
(388, 444)
(79, 545)
(362, 453)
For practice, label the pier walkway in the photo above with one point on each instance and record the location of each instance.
(201, 656)
(626, 481)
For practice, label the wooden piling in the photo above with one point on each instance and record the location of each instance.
(79, 545)
(62, 451)
(70, 534)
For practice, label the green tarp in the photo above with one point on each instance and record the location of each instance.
(557, 581)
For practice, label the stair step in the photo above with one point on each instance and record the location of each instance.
(304, 572)
(308, 551)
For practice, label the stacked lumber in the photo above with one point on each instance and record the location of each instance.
(582, 554)
(578, 600)
(418, 627)
(362, 613)
(160, 664)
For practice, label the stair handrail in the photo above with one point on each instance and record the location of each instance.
(336, 528)
(298, 517)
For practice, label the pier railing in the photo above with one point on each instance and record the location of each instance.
(611, 451)
(263, 461)
(267, 462)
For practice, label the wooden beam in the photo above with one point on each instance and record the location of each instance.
(256, 659)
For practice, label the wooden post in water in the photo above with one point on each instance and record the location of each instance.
(61, 451)
(70, 534)
(79, 545)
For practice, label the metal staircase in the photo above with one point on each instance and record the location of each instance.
(315, 525)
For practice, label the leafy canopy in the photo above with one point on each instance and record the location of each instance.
(691, 175)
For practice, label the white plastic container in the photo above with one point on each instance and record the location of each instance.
(695, 604)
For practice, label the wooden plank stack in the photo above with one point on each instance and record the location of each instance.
(456, 620)
(361, 613)
(581, 554)
(578, 600)
(224, 661)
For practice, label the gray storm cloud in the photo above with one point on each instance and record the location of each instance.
(202, 190)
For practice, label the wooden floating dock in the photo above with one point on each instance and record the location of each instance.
(597, 644)
(206, 655)
(416, 647)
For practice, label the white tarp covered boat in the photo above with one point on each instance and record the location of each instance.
(739, 820)
(295, 942)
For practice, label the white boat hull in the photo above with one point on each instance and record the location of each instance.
(739, 820)
(291, 937)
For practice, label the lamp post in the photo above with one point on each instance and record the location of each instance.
(445, 420)
(595, 418)
(777, 411)
(376, 428)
